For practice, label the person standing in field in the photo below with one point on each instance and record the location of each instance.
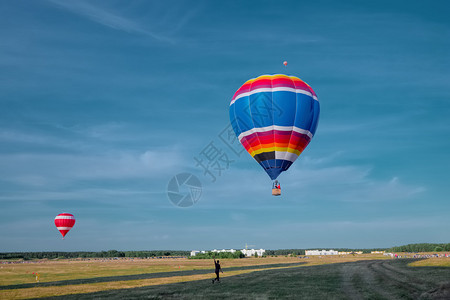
(218, 269)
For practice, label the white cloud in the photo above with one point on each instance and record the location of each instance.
(99, 194)
(315, 179)
(238, 217)
(32, 138)
(61, 169)
(160, 22)
(109, 19)
(308, 160)
(349, 184)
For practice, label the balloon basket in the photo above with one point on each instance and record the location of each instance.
(276, 192)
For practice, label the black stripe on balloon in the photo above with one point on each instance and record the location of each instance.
(264, 156)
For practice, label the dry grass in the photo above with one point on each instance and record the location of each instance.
(114, 285)
(75, 269)
(432, 262)
(332, 259)
(69, 269)
(96, 287)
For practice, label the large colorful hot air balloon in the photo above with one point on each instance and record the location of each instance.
(274, 118)
(64, 222)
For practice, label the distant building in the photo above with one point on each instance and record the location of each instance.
(350, 252)
(246, 252)
(321, 252)
(377, 252)
(224, 250)
(195, 252)
(252, 252)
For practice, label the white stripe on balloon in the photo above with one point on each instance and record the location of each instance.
(65, 218)
(275, 127)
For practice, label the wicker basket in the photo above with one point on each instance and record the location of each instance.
(276, 192)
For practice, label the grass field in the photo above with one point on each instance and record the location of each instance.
(327, 277)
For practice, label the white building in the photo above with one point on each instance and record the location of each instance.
(195, 252)
(246, 252)
(224, 250)
(251, 252)
(321, 252)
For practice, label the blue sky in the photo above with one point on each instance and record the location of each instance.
(103, 102)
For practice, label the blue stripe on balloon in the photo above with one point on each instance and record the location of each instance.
(316, 117)
(270, 166)
(233, 120)
(243, 118)
(261, 109)
(305, 109)
(257, 111)
(284, 108)
(265, 164)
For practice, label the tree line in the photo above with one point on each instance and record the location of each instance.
(83, 254)
(423, 247)
(293, 252)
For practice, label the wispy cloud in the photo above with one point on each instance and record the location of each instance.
(61, 169)
(109, 19)
(112, 194)
(162, 22)
(349, 183)
(324, 179)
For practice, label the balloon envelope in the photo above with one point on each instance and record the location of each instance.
(274, 118)
(285, 63)
(64, 222)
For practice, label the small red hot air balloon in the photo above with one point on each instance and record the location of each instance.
(285, 63)
(64, 222)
